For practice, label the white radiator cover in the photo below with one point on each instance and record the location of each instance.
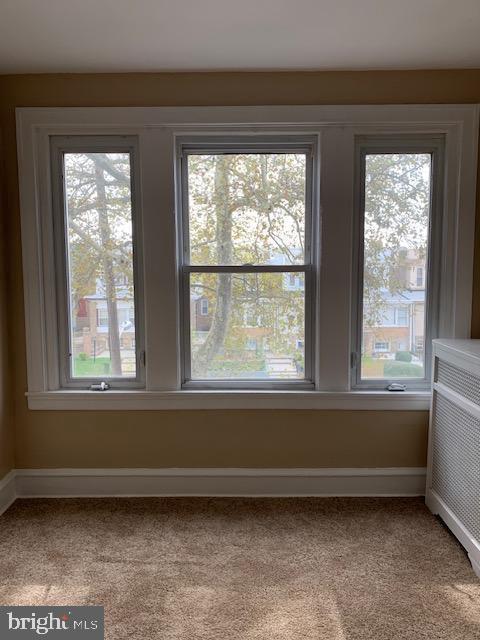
(453, 469)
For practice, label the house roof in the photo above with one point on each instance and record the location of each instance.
(408, 296)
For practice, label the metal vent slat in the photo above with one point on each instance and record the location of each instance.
(465, 383)
(456, 452)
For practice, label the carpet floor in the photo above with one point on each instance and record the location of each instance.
(250, 569)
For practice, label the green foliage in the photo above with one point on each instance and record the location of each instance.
(403, 356)
(82, 356)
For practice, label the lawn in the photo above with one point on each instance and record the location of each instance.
(378, 368)
(87, 367)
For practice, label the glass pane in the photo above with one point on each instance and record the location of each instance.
(100, 264)
(397, 210)
(254, 326)
(246, 208)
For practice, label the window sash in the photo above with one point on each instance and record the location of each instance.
(260, 144)
(303, 383)
(434, 146)
(59, 147)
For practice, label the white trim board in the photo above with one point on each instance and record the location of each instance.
(438, 507)
(8, 493)
(74, 400)
(397, 481)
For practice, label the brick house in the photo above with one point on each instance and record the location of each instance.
(401, 327)
(91, 322)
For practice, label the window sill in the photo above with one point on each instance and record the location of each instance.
(113, 400)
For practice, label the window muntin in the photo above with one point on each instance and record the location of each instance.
(246, 226)
(395, 238)
(95, 248)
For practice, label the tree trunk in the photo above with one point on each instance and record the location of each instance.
(223, 232)
(108, 273)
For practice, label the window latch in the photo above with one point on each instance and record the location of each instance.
(103, 386)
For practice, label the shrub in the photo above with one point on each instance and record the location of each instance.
(82, 356)
(403, 356)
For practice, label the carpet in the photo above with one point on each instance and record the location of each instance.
(250, 569)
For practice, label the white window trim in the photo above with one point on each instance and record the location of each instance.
(337, 128)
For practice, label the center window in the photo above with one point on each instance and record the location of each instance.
(247, 259)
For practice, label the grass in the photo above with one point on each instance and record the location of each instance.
(237, 367)
(378, 368)
(88, 367)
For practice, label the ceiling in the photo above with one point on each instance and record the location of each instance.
(172, 35)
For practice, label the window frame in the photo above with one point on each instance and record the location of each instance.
(241, 144)
(156, 131)
(422, 144)
(59, 147)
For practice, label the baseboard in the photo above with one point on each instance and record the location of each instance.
(8, 493)
(404, 481)
(438, 507)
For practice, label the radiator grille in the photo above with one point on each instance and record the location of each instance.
(463, 382)
(456, 462)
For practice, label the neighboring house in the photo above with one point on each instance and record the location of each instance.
(91, 325)
(200, 313)
(401, 326)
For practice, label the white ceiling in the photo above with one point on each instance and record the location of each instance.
(168, 35)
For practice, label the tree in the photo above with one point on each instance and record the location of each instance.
(223, 240)
(100, 233)
(397, 209)
(244, 209)
(250, 209)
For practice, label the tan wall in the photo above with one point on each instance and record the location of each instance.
(6, 404)
(200, 438)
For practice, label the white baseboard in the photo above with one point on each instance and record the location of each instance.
(8, 493)
(402, 481)
(438, 507)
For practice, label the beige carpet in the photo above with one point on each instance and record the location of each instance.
(250, 569)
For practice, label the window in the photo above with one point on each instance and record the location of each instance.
(399, 223)
(246, 217)
(419, 281)
(271, 257)
(204, 307)
(401, 316)
(95, 258)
